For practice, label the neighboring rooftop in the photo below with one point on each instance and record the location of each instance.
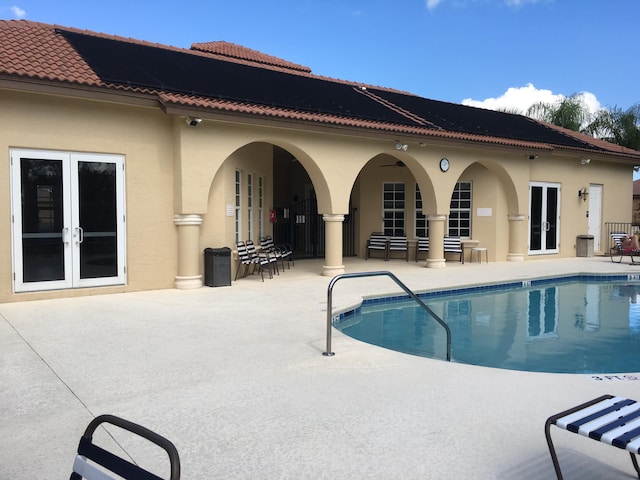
(228, 78)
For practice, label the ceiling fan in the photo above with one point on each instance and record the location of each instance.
(398, 163)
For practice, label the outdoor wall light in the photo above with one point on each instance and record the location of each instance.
(193, 121)
(583, 193)
(585, 161)
(533, 157)
(401, 146)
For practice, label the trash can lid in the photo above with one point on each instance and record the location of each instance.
(218, 252)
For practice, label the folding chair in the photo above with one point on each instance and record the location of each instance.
(263, 259)
(95, 463)
(611, 420)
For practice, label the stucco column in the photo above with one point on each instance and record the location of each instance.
(189, 254)
(517, 238)
(436, 241)
(332, 245)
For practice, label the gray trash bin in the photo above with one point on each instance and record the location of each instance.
(217, 267)
(584, 246)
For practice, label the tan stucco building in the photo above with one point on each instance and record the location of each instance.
(123, 160)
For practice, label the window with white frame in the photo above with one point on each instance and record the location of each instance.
(261, 206)
(421, 222)
(460, 211)
(393, 207)
(250, 206)
(238, 200)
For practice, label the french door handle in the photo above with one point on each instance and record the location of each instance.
(547, 226)
(80, 233)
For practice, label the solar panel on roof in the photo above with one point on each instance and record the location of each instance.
(477, 121)
(134, 64)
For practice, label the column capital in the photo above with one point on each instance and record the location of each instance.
(187, 219)
(333, 217)
(516, 218)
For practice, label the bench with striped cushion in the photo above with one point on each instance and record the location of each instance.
(453, 245)
(398, 244)
(422, 246)
(611, 420)
(378, 242)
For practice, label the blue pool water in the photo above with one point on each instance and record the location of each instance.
(566, 325)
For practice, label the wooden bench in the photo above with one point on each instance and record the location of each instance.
(378, 242)
(611, 420)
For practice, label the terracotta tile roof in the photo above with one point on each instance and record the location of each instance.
(276, 88)
(35, 50)
(238, 52)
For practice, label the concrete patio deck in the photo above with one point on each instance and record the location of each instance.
(235, 378)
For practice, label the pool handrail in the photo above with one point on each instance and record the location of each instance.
(334, 280)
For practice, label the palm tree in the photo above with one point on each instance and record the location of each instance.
(568, 112)
(618, 126)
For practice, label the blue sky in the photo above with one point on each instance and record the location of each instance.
(493, 53)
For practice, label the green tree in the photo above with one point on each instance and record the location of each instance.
(618, 126)
(568, 112)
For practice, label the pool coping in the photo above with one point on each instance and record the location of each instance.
(341, 315)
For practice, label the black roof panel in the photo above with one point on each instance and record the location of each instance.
(134, 64)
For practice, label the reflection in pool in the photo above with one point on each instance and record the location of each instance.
(565, 326)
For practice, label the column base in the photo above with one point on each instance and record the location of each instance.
(332, 271)
(436, 263)
(189, 283)
(515, 257)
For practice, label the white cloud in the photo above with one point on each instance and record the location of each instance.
(432, 4)
(18, 12)
(521, 98)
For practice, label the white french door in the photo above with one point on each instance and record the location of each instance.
(544, 218)
(68, 220)
(595, 214)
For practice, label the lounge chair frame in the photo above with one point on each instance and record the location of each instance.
(611, 420)
(89, 454)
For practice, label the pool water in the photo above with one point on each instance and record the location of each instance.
(564, 327)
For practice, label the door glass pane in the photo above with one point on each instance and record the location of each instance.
(535, 240)
(98, 222)
(552, 217)
(42, 220)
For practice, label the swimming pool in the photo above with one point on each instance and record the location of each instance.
(575, 324)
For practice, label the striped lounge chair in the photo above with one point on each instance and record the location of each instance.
(95, 463)
(617, 252)
(611, 420)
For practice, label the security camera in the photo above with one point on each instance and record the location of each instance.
(193, 121)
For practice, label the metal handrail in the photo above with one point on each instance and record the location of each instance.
(334, 280)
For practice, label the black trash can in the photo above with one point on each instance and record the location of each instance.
(217, 267)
